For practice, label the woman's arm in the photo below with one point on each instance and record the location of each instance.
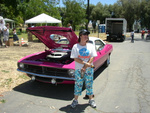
(86, 64)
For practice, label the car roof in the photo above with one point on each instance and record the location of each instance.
(95, 38)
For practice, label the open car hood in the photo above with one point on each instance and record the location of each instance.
(43, 34)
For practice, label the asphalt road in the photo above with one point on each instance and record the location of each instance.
(123, 87)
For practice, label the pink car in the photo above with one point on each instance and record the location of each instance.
(55, 65)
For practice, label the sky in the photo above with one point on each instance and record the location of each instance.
(108, 2)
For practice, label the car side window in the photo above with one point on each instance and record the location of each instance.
(99, 45)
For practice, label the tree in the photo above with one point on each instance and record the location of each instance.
(145, 13)
(91, 7)
(31, 8)
(74, 12)
(8, 8)
(107, 12)
(128, 9)
(100, 12)
(21, 10)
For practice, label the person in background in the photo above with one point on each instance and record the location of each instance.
(69, 26)
(15, 37)
(6, 34)
(148, 35)
(142, 34)
(2, 24)
(132, 36)
(83, 53)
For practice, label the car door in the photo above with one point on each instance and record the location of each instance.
(100, 59)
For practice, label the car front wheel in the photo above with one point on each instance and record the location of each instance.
(107, 62)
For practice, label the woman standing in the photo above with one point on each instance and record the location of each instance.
(83, 53)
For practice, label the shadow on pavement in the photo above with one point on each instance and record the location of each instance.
(79, 108)
(99, 71)
(60, 91)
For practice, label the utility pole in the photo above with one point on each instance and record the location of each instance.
(87, 14)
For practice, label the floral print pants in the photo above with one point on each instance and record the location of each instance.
(88, 79)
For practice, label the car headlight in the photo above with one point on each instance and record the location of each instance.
(21, 65)
(71, 72)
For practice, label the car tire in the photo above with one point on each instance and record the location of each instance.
(123, 39)
(107, 62)
(108, 39)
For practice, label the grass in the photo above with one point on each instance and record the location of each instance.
(23, 35)
(7, 82)
(23, 76)
(5, 71)
(2, 101)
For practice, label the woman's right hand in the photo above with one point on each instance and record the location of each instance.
(87, 64)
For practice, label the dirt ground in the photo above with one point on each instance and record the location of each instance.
(9, 76)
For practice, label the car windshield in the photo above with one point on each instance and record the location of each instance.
(59, 39)
(63, 41)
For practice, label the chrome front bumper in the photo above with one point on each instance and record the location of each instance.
(46, 76)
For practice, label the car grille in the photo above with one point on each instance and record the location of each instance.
(46, 70)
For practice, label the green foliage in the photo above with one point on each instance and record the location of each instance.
(8, 8)
(23, 76)
(145, 13)
(97, 12)
(75, 11)
(36, 7)
(6, 82)
(128, 10)
(5, 71)
(91, 7)
(2, 101)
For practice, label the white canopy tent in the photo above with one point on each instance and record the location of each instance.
(43, 18)
(11, 21)
(8, 20)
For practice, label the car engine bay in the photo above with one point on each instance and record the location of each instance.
(57, 57)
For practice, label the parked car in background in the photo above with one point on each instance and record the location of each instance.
(55, 65)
